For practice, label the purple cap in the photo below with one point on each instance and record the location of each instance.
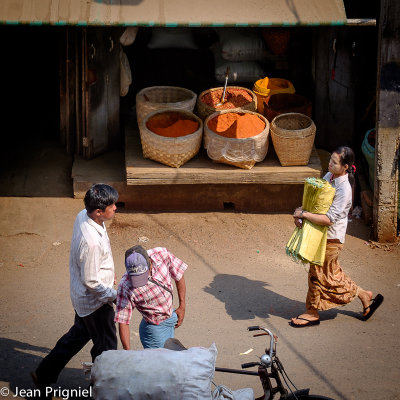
(137, 269)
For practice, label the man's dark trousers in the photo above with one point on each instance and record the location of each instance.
(98, 326)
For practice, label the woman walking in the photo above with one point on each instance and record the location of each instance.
(328, 285)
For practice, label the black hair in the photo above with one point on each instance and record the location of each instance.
(138, 249)
(346, 156)
(100, 196)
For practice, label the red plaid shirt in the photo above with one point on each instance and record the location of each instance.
(152, 301)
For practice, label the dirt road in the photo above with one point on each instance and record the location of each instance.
(238, 275)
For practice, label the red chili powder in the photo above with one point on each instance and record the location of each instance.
(236, 125)
(233, 98)
(171, 124)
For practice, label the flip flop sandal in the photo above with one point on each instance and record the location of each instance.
(376, 302)
(309, 323)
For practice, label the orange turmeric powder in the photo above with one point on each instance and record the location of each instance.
(234, 98)
(236, 125)
(172, 124)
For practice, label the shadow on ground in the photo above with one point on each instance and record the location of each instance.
(247, 299)
(18, 360)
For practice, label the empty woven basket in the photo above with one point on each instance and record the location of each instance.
(161, 97)
(293, 137)
(171, 151)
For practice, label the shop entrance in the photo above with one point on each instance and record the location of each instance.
(33, 160)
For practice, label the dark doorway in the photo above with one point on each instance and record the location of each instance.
(33, 161)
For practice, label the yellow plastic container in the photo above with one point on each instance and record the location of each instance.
(266, 87)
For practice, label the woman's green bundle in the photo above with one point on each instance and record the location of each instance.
(308, 243)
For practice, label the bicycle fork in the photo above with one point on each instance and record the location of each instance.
(265, 377)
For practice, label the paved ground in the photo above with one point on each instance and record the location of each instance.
(238, 276)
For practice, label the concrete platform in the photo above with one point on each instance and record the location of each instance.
(108, 168)
(35, 168)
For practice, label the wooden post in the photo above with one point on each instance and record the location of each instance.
(387, 123)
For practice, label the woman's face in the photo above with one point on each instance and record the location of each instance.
(335, 167)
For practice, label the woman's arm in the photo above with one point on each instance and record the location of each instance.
(319, 219)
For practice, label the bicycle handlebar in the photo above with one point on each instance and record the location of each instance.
(250, 364)
(253, 328)
(272, 342)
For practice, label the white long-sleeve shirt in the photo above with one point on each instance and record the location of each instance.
(91, 266)
(340, 207)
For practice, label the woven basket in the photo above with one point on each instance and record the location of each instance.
(293, 137)
(204, 110)
(161, 97)
(242, 153)
(283, 103)
(170, 151)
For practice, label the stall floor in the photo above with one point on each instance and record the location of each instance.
(198, 185)
(202, 170)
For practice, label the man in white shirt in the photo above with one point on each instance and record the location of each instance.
(92, 277)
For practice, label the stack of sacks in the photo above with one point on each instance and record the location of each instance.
(241, 50)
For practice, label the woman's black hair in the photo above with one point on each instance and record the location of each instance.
(346, 156)
(100, 196)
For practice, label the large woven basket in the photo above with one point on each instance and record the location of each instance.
(242, 153)
(170, 151)
(161, 97)
(293, 137)
(204, 110)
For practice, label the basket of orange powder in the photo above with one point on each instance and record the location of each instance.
(171, 136)
(236, 137)
(209, 101)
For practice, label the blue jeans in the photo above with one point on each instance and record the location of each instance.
(154, 336)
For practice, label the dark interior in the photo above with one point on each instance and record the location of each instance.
(33, 162)
(31, 85)
(194, 68)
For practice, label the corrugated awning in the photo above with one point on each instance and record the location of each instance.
(173, 12)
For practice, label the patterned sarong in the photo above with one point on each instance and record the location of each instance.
(328, 285)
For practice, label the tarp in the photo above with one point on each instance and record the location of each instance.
(194, 13)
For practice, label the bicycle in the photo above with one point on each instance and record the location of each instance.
(269, 368)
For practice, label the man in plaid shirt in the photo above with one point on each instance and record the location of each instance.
(147, 286)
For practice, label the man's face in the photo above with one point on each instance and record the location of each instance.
(108, 213)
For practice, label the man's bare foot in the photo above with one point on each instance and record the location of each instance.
(305, 319)
(365, 296)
